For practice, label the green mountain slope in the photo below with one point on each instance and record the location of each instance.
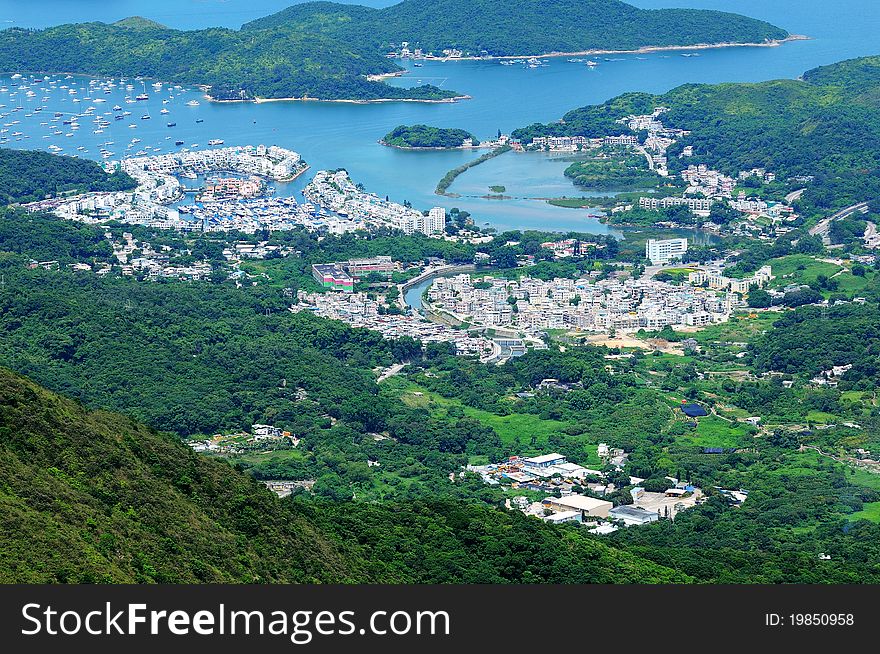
(31, 176)
(235, 65)
(95, 497)
(139, 23)
(516, 28)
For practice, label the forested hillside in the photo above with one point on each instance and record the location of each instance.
(518, 28)
(96, 497)
(826, 126)
(235, 65)
(33, 175)
(812, 339)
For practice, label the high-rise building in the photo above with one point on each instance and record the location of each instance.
(661, 251)
(435, 221)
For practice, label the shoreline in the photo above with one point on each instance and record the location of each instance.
(378, 77)
(287, 180)
(444, 184)
(346, 101)
(643, 50)
(431, 149)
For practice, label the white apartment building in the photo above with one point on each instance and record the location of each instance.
(435, 221)
(662, 251)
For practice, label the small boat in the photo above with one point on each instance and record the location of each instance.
(142, 96)
(192, 103)
(215, 142)
(178, 143)
(172, 124)
(200, 120)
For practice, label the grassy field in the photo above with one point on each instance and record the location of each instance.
(870, 511)
(269, 456)
(713, 431)
(740, 329)
(800, 269)
(865, 478)
(518, 427)
(514, 428)
(821, 417)
(851, 284)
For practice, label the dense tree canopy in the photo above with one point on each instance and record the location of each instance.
(33, 175)
(96, 497)
(423, 136)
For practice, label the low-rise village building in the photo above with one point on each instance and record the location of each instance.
(586, 506)
(631, 515)
(533, 305)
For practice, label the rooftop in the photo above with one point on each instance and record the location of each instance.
(630, 512)
(579, 502)
(544, 458)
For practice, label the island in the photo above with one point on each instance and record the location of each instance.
(333, 52)
(424, 137)
(439, 28)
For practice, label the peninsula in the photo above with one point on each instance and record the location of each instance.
(437, 28)
(333, 52)
(790, 151)
(228, 64)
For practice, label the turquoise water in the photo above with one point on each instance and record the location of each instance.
(413, 295)
(503, 97)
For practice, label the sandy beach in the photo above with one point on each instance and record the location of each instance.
(644, 50)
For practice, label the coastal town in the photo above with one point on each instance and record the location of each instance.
(226, 201)
(699, 187)
(360, 310)
(477, 294)
(336, 192)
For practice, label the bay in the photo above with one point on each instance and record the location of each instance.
(334, 135)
